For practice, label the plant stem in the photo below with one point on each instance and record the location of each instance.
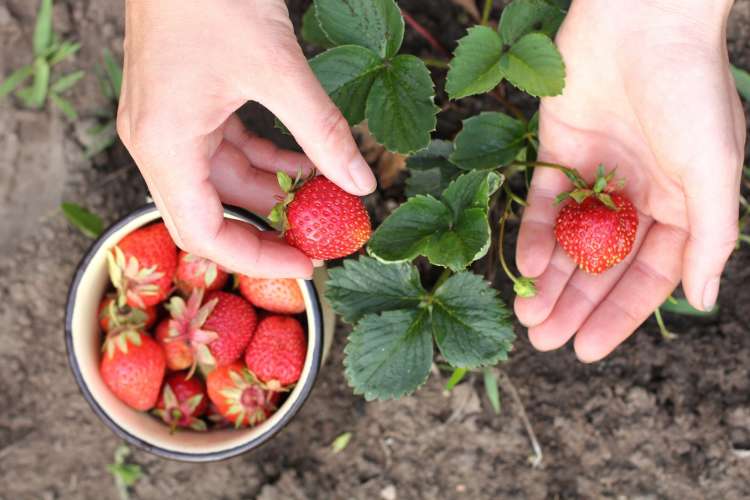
(500, 239)
(515, 110)
(486, 10)
(545, 164)
(536, 459)
(435, 63)
(441, 279)
(663, 327)
(424, 33)
(745, 238)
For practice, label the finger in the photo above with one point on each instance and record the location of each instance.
(582, 294)
(536, 237)
(319, 127)
(195, 217)
(648, 281)
(712, 206)
(263, 153)
(239, 183)
(534, 310)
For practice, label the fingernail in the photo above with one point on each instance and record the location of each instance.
(710, 294)
(362, 176)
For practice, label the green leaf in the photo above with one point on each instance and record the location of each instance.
(43, 28)
(65, 50)
(311, 31)
(471, 325)
(683, 307)
(742, 80)
(374, 24)
(128, 474)
(88, 223)
(401, 112)
(490, 387)
(38, 90)
(366, 286)
(114, 72)
(534, 65)
(389, 355)
(430, 169)
(522, 17)
(66, 82)
(451, 232)
(488, 140)
(456, 377)
(15, 79)
(341, 442)
(475, 67)
(64, 105)
(347, 74)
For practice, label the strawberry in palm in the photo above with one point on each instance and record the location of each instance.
(596, 226)
(197, 272)
(142, 265)
(279, 295)
(133, 366)
(321, 219)
(182, 402)
(239, 397)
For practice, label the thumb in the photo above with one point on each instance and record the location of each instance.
(300, 102)
(712, 206)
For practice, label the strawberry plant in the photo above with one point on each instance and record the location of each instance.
(445, 221)
(49, 51)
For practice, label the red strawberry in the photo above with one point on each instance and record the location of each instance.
(233, 321)
(596, 227)
(132, 366)
(281, 295)
(111, 316)
(197, 272)
(178, 352)
(142, 266)
(183, 400)
(321, 219)
(238, 396)
(276, 354)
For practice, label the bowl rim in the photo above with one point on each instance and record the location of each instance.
(253, 443)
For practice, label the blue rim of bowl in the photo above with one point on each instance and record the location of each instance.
(157, 450)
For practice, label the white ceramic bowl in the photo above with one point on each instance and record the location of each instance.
(83, 341)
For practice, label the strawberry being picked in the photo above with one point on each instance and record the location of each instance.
(111, 316)
(597, 225)
(133, 366)
(320, 219)
(182, 402)
(239, 397)
(142, 265)
(276, 353)
(211, 333)
(279, 295)
(197, 272)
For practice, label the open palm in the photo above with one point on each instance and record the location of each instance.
(652, 96)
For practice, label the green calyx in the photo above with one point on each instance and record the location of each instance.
(277, 216)
(524, 287)
(601, 188)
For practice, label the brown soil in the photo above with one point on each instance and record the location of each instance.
(655, 420)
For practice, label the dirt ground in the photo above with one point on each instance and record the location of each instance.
(655, 420)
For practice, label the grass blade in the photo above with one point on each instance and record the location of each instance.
(683, 307)
(38, 90)
(114, 72)
(43, 28)
(65, 50)
(742, 80)
(341, 442)
(66, 82)
(458, 375)
(490, 387)
(89, 224)
(64, 105)
(15, 79)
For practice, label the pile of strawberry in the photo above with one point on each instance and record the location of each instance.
(183, 343)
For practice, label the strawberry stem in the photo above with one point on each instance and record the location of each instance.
(523, 286)
(663, 327)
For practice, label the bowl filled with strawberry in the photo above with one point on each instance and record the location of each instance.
(185, 359)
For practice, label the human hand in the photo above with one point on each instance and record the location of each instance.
(649, 91)
(189, 66)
